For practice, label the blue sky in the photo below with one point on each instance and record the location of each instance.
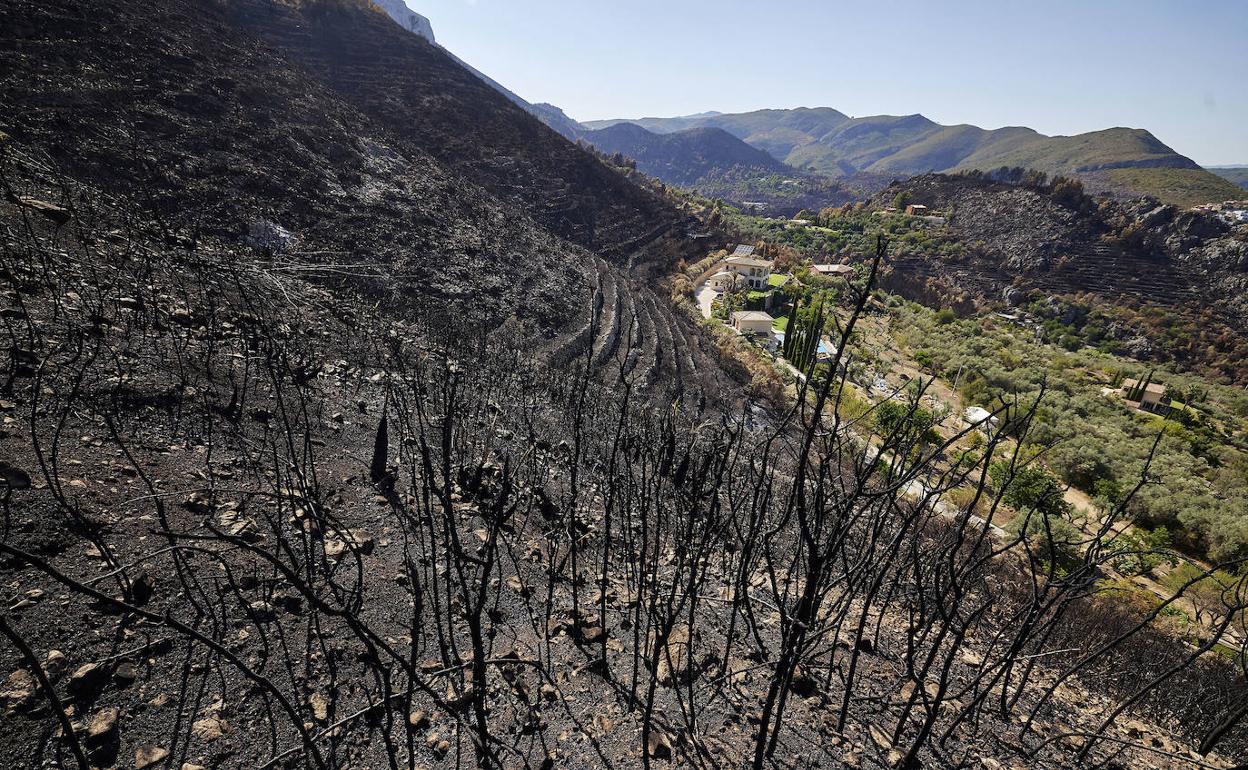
(1177, 68)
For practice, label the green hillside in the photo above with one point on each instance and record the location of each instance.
(1095, 151)
(1180, 186)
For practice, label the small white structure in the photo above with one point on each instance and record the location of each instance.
(980, 417)
(754, 272)
(752, 322)
(841, 271)
(724, 280)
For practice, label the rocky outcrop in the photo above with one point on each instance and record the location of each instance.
(408, 19)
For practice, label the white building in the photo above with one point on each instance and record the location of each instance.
(752, 322)
(840, 271)
(724, 280)
(754, 272)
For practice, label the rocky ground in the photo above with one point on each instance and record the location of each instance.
(206, 566)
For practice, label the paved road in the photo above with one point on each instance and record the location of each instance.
(705, 294)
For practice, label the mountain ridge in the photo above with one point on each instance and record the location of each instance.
(828, 142)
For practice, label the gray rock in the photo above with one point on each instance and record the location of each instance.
(408, 19)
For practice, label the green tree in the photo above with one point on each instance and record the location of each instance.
(1142, 550)
(1032, 488)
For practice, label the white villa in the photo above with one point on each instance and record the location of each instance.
(977, 416)
(749, 271)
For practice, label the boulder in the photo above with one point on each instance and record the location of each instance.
(88, 680)
(19, 689)
(13, 478)
(103, 726)
(146, 756)
(55, 664)
(209, 729)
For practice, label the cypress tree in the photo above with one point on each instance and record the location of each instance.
(790, 329)
(814, 332)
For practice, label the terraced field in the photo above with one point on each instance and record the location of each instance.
(632, 336)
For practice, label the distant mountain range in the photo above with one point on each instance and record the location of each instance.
(786, 157)
(684, 158)
(828, 142)
(708, 160)
(1237, 175)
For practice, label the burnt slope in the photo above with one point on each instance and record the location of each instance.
(423, 96)
(173, 107)
(181, 111)
(210, 571)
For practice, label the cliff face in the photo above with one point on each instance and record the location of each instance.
(408, 19)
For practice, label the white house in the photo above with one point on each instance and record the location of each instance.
(754, 272)
(752, 322)
(1150, 396)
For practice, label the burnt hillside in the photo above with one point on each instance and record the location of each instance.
(1140, 259)
(422, 176)
(172, 107)
(255, 520)
(423, 96)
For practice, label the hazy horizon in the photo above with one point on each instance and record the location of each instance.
(1174, 70)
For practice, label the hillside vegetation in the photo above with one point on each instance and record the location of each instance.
(1137, 278)
(1180, 186)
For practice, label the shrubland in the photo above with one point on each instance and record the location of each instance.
(1198, 483)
